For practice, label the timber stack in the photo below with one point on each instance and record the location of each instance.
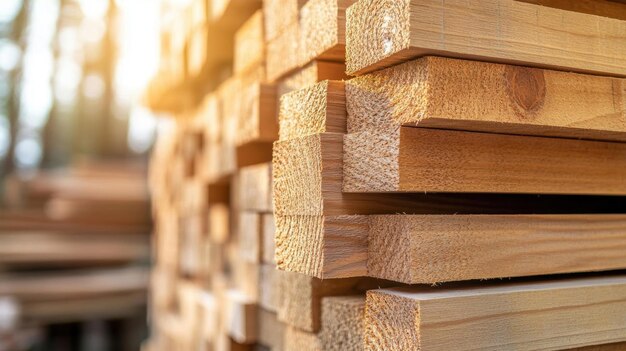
(391, 175)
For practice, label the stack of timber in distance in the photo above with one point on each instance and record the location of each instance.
(363, 171)
(74, 244)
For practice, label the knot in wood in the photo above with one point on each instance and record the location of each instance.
(526, 88)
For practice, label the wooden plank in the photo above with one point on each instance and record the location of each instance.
(432, 160)
(381, 34)
(578, 312)
(308, 174)
(258, 116)
(605, 8)
(49, 249)
(329, 43)
(39, 286)
(279, 14)
(268, 231)
(436, 92)
(316, 109)
(430, 249)
(343, 323)
(249, 44)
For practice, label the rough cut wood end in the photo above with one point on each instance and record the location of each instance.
(375, 29)
(343, 323)
(316, 109)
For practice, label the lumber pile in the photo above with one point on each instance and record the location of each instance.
(74, 247)
(399, 175)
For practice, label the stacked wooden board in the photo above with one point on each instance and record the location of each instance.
(74, 249)
(371, 170)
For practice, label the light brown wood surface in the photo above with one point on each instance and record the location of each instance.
(343, 323)
(269, 286)
(431, 248)
(300, 340)
(434, 160)
(308, 175)
(249, 44)
(322, 246)
(34, 248)
(219, 223)
(257, 120)
(323, 29)
(613, 9)
(301, 298)
(250, 236)
(382, 33)
(283, 53)
(268, 231)
(316, 109)
(546, 315)
(436, 92)
(314, 72)
(271, 333)
(279, 14)
(241, 317)
(254, 188)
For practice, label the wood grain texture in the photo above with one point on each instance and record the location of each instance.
(613, 9)
(323, 29)
(545, 315)
(381, 33)
(258, 118)
(322, 246)
(436, 92)
(433, 160)
(316, 109)
(436, 248)
(343, 319)
(430, 249)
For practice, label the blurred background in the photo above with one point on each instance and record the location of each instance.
(74, 208)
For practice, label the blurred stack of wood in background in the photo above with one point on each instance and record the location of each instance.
(298, 207)
(74, 250)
